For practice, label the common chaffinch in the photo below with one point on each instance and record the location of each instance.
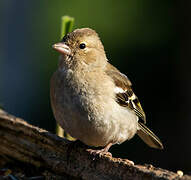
(91, 99)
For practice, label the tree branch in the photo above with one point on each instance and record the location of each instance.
(32, 145)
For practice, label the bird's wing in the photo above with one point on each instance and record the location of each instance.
(126, 97)
(124, 93)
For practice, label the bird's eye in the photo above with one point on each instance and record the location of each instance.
(82, 46)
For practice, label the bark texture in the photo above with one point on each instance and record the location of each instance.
(20, 141)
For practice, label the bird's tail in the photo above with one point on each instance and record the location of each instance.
(149, 137)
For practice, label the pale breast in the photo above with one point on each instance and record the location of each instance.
(88, 111)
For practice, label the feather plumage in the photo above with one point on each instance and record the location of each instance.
(127, 98)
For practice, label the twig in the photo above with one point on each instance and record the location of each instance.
(67, 23)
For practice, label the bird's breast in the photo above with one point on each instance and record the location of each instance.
(84, 105)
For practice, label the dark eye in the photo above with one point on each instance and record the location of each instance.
(82, 46)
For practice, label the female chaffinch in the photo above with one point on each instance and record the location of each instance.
(91, 99)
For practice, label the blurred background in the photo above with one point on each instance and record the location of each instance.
(150, 41)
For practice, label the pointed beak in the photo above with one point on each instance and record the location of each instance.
(62, 48)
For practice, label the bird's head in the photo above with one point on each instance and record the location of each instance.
(82, 46)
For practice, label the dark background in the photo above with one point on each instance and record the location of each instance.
(148, 40)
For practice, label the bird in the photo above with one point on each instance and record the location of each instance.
(91, 99)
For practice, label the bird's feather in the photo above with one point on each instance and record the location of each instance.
(149, 137)
(124, 93)
(127, 98)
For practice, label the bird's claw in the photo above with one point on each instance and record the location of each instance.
(99, 152)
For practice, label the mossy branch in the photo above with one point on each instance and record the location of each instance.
(23, 142)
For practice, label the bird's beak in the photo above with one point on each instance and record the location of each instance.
(62, 48)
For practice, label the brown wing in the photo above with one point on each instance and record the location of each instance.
(124, 94)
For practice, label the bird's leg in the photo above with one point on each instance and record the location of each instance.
(105, 151)
(101, 151)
